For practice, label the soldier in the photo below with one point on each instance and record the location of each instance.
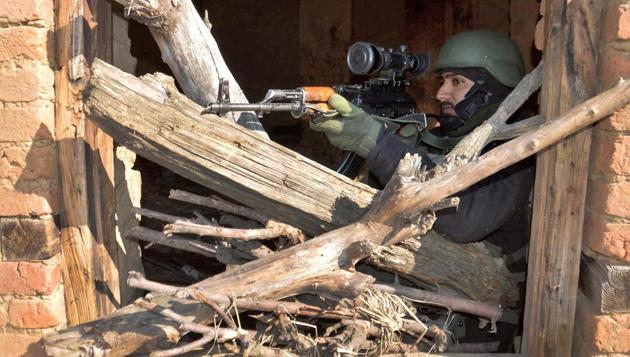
(477, 70)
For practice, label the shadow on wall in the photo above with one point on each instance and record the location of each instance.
(30, 192)
(36, 174)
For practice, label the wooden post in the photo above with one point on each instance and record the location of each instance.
(561, 177)
(100, 173)
(76, 237)
(90, 249)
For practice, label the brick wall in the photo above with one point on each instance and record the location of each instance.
(607, 229)
(607, 220)
(31, 294)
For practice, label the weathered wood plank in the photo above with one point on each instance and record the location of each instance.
(164, 126)
(76, 237)
(606, 282)
(561, 172)
(100, 174)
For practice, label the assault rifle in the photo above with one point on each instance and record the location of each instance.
(384, 95)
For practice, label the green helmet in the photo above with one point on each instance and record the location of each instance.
(489, 50)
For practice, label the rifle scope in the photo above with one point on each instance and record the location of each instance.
(366, 58)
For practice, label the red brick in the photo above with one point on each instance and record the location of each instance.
(610, 198)
(31, 202)
(29, 278)
(26, 84)
(601, 332)
(37, 313)
(26, 10)
(3, 316)
(26, 124)
(619, 121)
(25, 42)
(25, 162)
(611, 153)
(14, 345)
(614, 64)
(616, 22)
(606, 237)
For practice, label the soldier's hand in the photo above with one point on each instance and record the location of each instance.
(350, 129)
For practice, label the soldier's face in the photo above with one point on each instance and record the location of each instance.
(452, 90)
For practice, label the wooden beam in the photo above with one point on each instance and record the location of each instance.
(76, 237)
(561, 173)
(161, 124)
(100, 174)
(606, 283)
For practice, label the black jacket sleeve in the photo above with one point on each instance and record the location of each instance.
(383, 159)
(484, 207)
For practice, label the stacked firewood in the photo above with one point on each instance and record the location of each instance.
(387, 317)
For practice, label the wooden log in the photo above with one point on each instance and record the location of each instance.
(76, 238)
(561, 177)
(190, 50)
(154, 120)
(450, 267)
(606, 283)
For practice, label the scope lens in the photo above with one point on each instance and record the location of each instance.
(363, 58)
(366, 58)
(421, 63)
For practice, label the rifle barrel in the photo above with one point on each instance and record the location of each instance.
(221, 108)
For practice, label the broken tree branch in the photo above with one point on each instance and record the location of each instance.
(230, 233)
(291, 232)
(218, 204)
(209, 333)
(477, 308)
(137, 280)
(189, 245)
(224, 255)
(418, 196)
(247, 250)
(217, 309)
(189, 49)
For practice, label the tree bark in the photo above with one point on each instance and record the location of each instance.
(473, 270)
(189, 49)
(154, 120)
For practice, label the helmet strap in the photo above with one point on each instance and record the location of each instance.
(475, 99)
(449, 122)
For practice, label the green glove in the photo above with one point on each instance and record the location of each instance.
(355, 130)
